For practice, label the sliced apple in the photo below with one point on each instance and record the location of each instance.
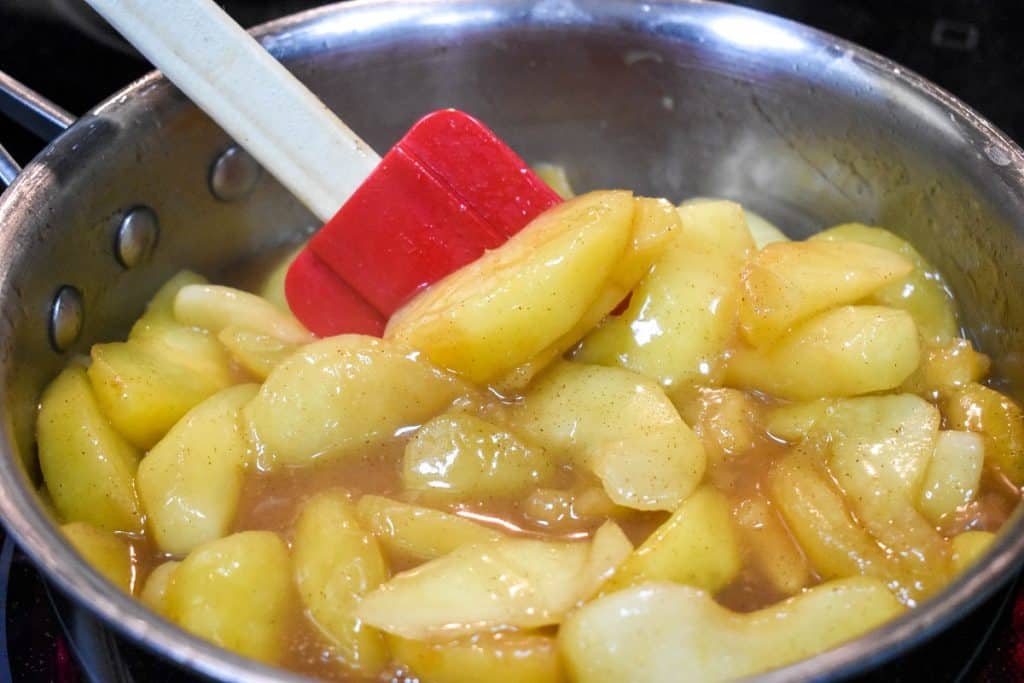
(787, 283)
(817, 515)
(697, 546)
(336, 563)
(337, 395)
(923, 293)
(511, 582)
(235, 592)
(146, 384)
(847, 351)
(969, 547)
(258, 353)
(508, 657)
(665, 632)
(682, 316)
(620, 426)
(215, 307)
(515, 301)
(89, 469)
(416, 532)
(656, 224)
(460, 457)
(881, 448)
(191, 481)
(977, 408)
(154, 590)
(954, 474)
(160, 309)
(109, 554)
(272, 288)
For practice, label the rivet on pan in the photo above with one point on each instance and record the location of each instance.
(998, 155)
(234, 174)
(67, 314)
(136, 236)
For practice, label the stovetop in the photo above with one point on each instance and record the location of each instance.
(66, 53)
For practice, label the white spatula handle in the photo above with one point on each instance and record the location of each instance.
(256, 100)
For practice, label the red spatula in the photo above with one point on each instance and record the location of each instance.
(447, 191)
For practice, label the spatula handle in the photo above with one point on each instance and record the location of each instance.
(249, 94)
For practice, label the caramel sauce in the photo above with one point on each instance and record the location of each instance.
(272, 500)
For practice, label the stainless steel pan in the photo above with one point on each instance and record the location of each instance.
(668, 98)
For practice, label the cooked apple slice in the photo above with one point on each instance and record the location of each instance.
(215, 307)
(272, 288)
(944, 369)
(793, 422)
(419, 533)
(154, 591)
(817, 515)
(881, 455)
(109, 554)
(656, 224)
(159, 325)
(460, 457)
(503, 657)
(258, 353)
(923, 293)
(847, 351)
(787, 283)
(336, 564)
(160, 309)
(503, 309)
(880, 452)
(235, 592)
(556, 178)
(697, 546)
(665, 632)
(89, 469)
(763, 231)
(770, 545)
(726, 420)
(954, 474)
(977, 408)
(894, 434)
(682, 316)
(881, 447)
(165, 368)
(191, 481)
(969, 547)
(339, 394)
(620, 426)
(609, 549)
(510, 582)
(146, 384)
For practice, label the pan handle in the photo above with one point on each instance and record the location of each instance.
(9, 168)
(31, 110)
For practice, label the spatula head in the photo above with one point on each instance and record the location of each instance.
(324, 303)
(447, 191)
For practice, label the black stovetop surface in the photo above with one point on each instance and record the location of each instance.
(969, 47)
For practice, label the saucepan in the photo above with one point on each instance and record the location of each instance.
(672, 99)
